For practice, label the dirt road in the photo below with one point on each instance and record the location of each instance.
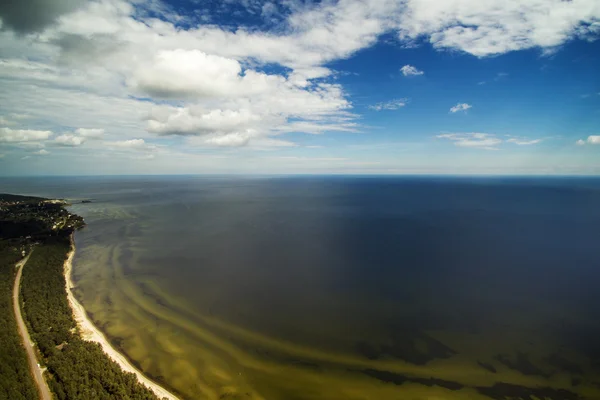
(33, 362)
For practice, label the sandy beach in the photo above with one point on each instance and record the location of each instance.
(90, 332)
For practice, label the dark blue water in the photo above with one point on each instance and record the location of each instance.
(371, 266)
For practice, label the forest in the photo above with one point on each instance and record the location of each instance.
(76, 369)
(16, 382)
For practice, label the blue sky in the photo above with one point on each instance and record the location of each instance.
(373, 87)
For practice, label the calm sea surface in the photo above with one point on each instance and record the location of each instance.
(344, 287)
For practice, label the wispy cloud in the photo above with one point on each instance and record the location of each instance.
(460, 107)
(523, 141)
(389, 105)
(90, 133)
(485, 141)
(409, 70)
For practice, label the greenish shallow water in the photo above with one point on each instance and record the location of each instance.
(348, 288)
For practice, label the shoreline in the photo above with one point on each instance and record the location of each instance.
(90, 332)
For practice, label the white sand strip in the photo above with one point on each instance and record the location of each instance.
(90, 332)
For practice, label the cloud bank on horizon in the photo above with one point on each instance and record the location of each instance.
(223, 86)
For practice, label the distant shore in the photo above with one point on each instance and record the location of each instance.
(90, 332)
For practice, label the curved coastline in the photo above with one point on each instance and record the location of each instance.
(91, 333)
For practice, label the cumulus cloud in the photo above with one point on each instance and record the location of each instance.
(460, 107)
(132, 144)
(193, 73)
(389, 105)
(592, 139)
(90, 133)
(409, 70)
(196, 120)
(68, 140)
(276, 108)
(233, 139)
(485, 141)
(110, 61)
(25, 16)
(42, 152)
(22, 135)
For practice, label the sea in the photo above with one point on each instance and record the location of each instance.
(343, 287)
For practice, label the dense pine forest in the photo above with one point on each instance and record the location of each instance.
(79, 369)
(16, 382)
(76, 369)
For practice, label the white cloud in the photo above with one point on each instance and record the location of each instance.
(592, 139)
(193, 73)
(409, 70)
(485, 28)
(475, 140)
(317, 127)
(460, 107)
(523, 141)
(90, 133)
(389, 105)
(233, 139)
(22, 135)
(111, 61)
(42, 152)
(130, 144)
(196, 120)
(69, 140)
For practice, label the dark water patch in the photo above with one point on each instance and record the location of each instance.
(504, 391)
(149, 294)
(349, 265)
(368, 350)
(125, 256)
(582, 336)
(399, 379)
(414, 347)
(522, 364)
(487, 366)
(563, 364)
